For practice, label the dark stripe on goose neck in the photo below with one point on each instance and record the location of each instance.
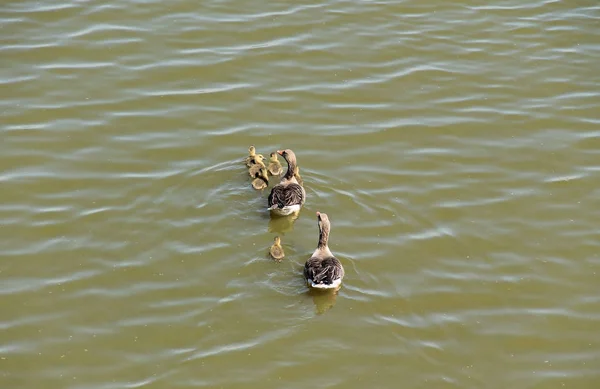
(323, 235)
(291, 167)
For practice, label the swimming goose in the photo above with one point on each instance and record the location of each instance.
(276, 250)
(322, 270)
(261, 180)
(274, 166)
(257, 166)
(288, 196)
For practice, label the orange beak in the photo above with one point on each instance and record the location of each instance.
(280, 152)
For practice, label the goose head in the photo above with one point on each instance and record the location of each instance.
(288, 155)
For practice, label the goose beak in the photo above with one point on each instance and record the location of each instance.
(280, 152)
(318, 214)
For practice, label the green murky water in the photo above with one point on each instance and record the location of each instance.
(455, 147)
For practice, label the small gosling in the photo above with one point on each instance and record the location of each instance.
(276, 250)
(257, 166)
(250, 159)
(297, 175)
(274, 165)
(261, 180)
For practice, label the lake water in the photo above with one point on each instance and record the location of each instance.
(455, 147)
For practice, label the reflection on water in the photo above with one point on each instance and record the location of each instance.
(324, 300)
(282, 224)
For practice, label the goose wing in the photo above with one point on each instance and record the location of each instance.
(286, 195)
(323, 270)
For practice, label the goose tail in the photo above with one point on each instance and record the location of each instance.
(333, 285)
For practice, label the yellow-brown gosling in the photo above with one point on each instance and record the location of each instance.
(274, 165)
(259, 164)
(298, 177)
(261, 180)
(322, 270)
(276, 250)
(250, 159)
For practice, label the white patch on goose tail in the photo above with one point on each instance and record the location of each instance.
(333, 285)
(287, 210)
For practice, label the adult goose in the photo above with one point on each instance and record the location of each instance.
(288, 196)
(322, 270)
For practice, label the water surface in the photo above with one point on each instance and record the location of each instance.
(454, 146)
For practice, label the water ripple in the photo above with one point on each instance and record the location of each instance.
(452, 146)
